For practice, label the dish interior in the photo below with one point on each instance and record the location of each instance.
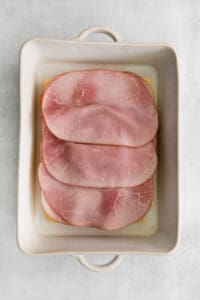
(148, 224)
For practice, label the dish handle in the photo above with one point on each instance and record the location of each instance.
(99, 29)
(117, 259)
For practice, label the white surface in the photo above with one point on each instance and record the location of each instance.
(140, 277)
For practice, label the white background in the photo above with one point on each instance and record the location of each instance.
(176, 276)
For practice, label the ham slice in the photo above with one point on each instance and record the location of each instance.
(110, 208)
(100, 107)
(97, 165)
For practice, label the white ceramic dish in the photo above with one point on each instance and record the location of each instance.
(41, 59)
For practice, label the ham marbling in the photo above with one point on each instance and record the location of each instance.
(100, 107)
(109, 209)
(97, 165)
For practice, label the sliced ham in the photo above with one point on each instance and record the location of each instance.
(103, 208)
(50, 213)
(100, 107)
(97, 165)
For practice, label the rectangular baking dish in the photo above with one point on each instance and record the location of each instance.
(41, 59)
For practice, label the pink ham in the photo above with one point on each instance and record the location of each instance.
(102, 208)
(97, 165)
(47, 208)
(100, 107)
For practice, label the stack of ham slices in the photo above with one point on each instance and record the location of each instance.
(97, 151)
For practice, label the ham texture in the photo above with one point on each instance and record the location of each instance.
(110, 208)
(97, 165)
(100, 107)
